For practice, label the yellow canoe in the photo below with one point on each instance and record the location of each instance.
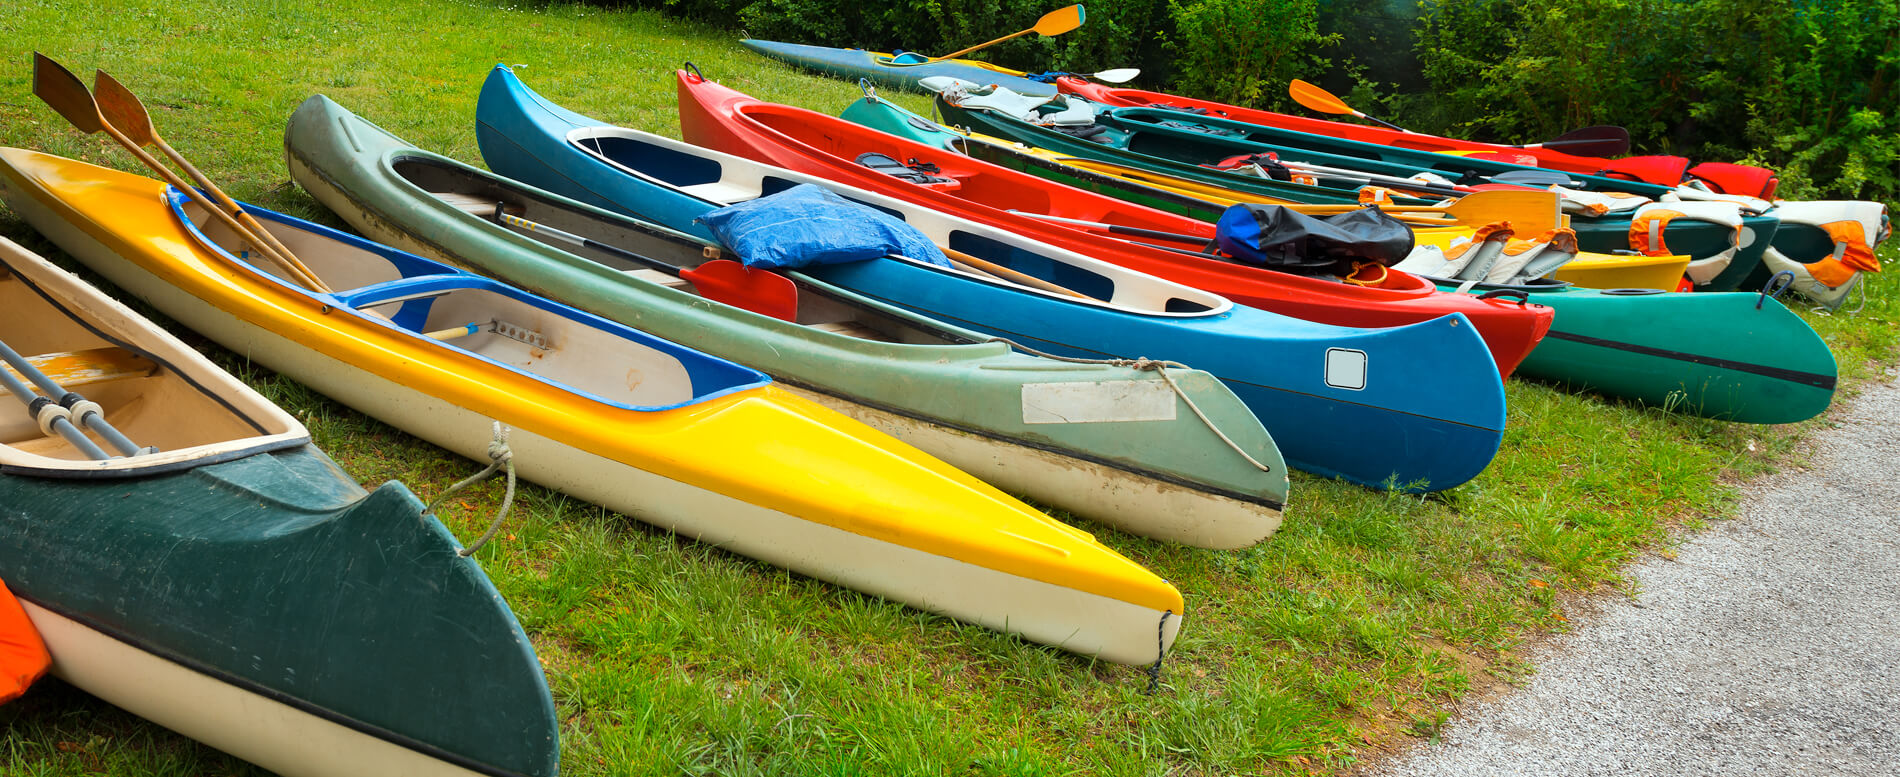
(642, 426)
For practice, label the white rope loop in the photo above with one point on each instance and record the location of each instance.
(500, 458)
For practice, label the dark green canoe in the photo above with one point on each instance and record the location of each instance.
(236, 585)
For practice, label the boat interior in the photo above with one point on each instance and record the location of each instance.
(717, 182)
(490, 321)
(664, 257)
(158, 394)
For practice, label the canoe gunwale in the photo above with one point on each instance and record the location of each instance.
(1216, 305)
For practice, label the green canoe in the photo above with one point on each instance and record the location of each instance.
(234, 585)
(1733, 356)
(1110, 443)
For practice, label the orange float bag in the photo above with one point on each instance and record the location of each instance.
(23, 657)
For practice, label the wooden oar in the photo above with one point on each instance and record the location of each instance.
(125, 111)
(68, 97)
(1602, 140)
(1010, 275)
(1054, 22)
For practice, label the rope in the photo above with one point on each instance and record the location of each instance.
(1161, 652)
(1145, 364)
(500, 457)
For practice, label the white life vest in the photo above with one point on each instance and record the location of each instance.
(1856, 227)
(1649, 222)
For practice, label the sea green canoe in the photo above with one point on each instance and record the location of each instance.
(1734, 356)
(234, 585)
(1111, 443)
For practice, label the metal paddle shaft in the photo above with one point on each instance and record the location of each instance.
(88, 413)
(37, 407)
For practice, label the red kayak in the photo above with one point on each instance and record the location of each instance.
(723, 119)
(1662, 170)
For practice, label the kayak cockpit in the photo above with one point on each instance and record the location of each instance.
(159, 396)
(717, 180)
(490, 321)
(663, 254)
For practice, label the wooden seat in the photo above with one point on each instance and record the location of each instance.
(473, 204)
(656, 276)
(853, 329)
(81, 368)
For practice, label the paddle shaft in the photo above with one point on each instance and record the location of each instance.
(36, 404)
(1011, 275)
(1054, 20)
(1117, 229)
(256, 230)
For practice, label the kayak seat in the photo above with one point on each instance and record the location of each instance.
(92, 366)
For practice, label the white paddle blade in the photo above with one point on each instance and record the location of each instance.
(1120, 75)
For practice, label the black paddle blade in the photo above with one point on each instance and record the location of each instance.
(67, 95)
(1603, 140)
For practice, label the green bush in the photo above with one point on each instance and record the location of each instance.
(1803, 86)
(1245, 51)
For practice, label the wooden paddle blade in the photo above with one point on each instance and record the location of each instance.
(122, 109)
(1317, 99)
(1061, 20)
(67, 95)
(1530, 212)
(760, 291)
(1603, 140)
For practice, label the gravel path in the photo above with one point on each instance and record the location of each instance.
(1769, 646)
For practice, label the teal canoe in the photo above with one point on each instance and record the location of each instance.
(898, 71)
(1123, 449)
(234, 585)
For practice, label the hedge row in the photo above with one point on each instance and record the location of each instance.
(1810, 87)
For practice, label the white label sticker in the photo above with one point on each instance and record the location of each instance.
(1089, 403)
(1346, 368)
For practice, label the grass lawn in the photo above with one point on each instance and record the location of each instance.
(1353, 628)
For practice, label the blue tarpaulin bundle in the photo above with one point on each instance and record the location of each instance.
(809, 224)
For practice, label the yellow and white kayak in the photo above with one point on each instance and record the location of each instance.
(682, 440)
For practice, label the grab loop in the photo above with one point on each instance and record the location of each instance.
(500, 458)
(694, 69)
(1161, 652)
(1774, 287)
(1523, 297)
(869, 89)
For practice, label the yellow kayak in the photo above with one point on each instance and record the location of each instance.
(682, 440)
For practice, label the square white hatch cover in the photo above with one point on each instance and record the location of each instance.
(1346, 368)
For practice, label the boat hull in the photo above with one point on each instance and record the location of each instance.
(1038, 579)
(1164, 475)
(853, 64)
(1428, 450)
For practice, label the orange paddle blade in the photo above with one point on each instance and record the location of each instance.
(760, 291)
(1315, 98)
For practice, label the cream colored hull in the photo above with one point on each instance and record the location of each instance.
(1132, 503)
(248, 725)
(1111, 629)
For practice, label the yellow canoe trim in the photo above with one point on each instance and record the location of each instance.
(839, 472)
(84, 368)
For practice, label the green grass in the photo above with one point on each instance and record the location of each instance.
(1352, 629)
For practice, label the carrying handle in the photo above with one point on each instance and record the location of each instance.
(698, 77)
(1785, 279)
(1523, 297)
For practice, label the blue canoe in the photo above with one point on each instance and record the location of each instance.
(1419, 406)
(900, 71)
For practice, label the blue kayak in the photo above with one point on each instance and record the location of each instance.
(1419, 407)
(899, 71)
